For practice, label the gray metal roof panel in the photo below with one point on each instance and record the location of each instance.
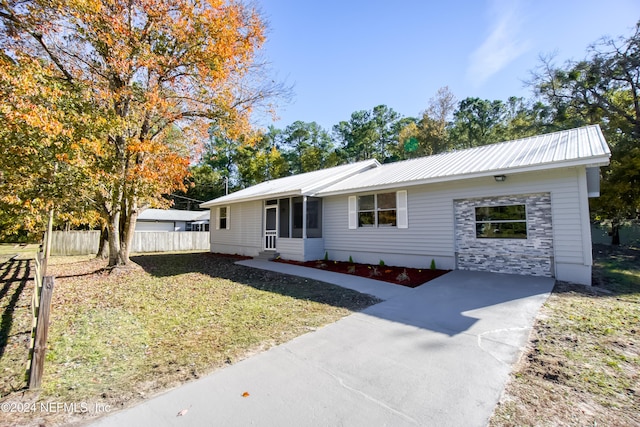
(302, 184)
(584, 145)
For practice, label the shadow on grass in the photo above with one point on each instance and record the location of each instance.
(90, 273)
(616, 270)
(15, 275)
(218, 266)
(441, 305)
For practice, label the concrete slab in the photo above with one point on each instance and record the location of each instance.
(439, 354)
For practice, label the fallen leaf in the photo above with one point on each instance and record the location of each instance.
(245, 394)
(183, 412)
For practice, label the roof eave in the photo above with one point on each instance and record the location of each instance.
(218, 202)
(308, 191)
(591, 162)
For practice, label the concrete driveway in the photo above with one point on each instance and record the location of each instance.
(437, 355)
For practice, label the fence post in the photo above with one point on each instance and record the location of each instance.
(42, 329)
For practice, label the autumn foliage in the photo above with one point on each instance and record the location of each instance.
(143, 80)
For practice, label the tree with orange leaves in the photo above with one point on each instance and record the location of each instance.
(158, 72)
(44, 131)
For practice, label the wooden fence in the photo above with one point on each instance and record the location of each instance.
(87, 242)
(40, 310)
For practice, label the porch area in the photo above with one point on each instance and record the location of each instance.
(293, 228)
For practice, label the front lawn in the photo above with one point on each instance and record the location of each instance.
(117, 338)
(582, 367)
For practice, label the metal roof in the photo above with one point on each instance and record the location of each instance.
(172, 215)
(304, 184)
(580, 146)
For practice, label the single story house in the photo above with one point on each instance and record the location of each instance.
(518, 207)
(172, 220)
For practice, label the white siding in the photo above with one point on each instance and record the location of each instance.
(155, 226)
(300, 249)
(289, 248)
(430, 232)
(244, 235)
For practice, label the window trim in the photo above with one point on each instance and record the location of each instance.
(400, 210)
(226, 217)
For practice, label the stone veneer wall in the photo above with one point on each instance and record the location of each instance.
(533, 256)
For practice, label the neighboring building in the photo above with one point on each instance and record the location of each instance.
(514, 207)
(172, 220)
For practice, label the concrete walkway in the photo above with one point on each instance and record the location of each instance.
(436, 355)
(377, 288)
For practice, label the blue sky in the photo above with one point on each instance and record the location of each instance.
(343, 56)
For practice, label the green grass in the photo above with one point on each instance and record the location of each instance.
(583, 365)
(115, 338)
(22, 251)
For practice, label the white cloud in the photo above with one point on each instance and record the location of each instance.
(503, 45)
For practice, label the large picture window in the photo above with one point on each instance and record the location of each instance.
(501, 222)
(377, 210)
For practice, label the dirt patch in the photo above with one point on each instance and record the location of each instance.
(582, 364)
(410, 277)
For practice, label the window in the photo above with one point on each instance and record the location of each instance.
(314, 217)
(223, 220)
(296, 217)
(284, 217)
(377, 210)
(501, 222)
(197, 227)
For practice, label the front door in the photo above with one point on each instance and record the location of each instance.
(270, 227)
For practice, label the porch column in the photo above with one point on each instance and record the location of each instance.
(304, 217)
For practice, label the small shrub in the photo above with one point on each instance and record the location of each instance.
(350, 260)
(403, 277)
(381, 263)
(374, 272)
(433, 264)
(326, 256)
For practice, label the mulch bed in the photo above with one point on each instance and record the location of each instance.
(410, 277)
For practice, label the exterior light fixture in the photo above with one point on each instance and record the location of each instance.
(500, 178)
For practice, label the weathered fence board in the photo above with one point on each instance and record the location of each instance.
(40, 310)
(75, 242)
(87, 242)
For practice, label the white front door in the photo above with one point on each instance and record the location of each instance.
(270, 227)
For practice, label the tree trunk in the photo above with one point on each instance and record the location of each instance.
(103, 249)
(128, 232)
(115, 248)
(116, 258)
(615, 234)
